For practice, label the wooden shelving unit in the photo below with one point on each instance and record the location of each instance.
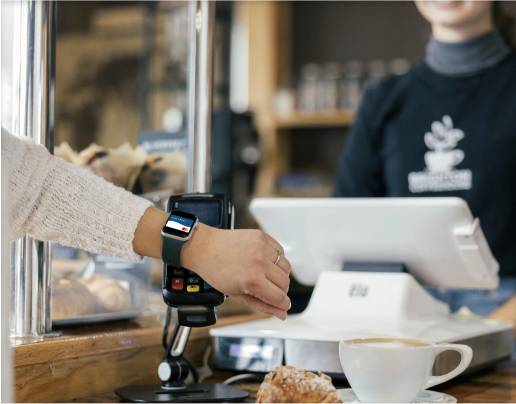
(299, 120)
(270, 31)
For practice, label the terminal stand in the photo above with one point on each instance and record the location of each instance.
(173, 371)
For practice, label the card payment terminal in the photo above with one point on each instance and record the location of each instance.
(194, 298)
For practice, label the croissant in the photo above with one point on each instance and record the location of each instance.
(288, 385)
(108, 292)
(71, 299)
(164, 171)
(119, 166)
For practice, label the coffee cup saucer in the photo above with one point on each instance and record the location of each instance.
(426, 396)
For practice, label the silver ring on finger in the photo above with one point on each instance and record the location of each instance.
(278, 259)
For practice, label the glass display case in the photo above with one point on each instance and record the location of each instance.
(91, 288)
(120, 110)
(123, 117)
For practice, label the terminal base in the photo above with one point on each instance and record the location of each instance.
(191, 393)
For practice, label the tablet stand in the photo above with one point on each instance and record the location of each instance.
(377, 296)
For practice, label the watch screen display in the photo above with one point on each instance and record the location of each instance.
(179, 224)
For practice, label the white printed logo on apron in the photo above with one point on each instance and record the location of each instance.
(440, 173)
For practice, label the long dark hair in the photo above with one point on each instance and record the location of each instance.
(505, 23)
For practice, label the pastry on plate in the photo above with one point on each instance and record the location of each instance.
(288, 385)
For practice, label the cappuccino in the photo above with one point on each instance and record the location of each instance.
(388, 343)
(390, 370)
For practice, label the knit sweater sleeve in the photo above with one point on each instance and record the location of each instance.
(53, 200)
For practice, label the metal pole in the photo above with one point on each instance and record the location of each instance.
(200, 55)
(33, 116)
(201, 28)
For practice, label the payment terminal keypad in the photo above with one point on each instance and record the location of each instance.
(177, 283)
(182, 286)
(183, 280)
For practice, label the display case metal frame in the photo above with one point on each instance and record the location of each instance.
(33, 116)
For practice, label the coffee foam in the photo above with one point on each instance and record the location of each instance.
(388, 343)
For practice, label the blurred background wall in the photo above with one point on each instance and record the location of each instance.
(288, 77)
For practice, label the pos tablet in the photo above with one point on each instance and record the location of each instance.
(437, 239)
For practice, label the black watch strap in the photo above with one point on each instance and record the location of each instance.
(171, 251)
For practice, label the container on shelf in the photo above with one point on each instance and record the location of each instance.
(284, 102)
(309, 88)
(352, 84)
(330, 82)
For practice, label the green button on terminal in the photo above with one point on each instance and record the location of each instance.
(207, 285)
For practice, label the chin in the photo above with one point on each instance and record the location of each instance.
(453, 13)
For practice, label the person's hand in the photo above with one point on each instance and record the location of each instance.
(240, 264)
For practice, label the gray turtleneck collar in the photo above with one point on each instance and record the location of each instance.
(468, 57)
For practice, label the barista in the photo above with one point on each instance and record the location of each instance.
(447, 128)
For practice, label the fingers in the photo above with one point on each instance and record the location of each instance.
(279, 278)
(283, 263)
(267, 291)
(274, 244)
(257, 304)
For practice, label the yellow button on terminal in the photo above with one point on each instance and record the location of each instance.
(192, 288)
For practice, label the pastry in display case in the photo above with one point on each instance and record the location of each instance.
(120, 166)
(131, 168)
(96, 295)
(163, 171)
(109, 294)
(88, 288)
(71, 299)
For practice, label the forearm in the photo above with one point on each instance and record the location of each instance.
(147, 237)
(53, 200)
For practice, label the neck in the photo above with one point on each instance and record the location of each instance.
(464, 32)
(467, 57)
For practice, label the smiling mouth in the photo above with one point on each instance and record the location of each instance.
(446, 4)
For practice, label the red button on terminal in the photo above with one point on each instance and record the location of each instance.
(177, 283)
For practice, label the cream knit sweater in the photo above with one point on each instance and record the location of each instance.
(53, 200)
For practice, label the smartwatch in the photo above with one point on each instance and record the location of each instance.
(178, 229)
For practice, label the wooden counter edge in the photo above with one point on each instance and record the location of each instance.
(74, 346)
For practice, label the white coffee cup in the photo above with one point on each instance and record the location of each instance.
(395, 370)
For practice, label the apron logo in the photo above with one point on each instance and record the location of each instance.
(440, 174)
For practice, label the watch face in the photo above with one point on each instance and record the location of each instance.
(179, 224)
